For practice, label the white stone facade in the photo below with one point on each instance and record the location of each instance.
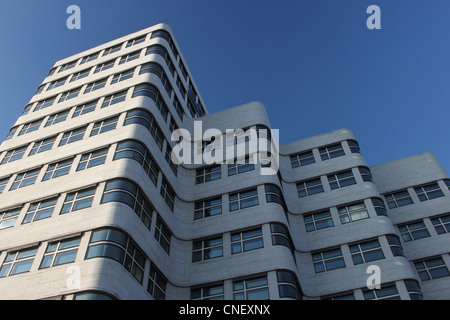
(270, 249)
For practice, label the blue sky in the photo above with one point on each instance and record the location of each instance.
(313, 63)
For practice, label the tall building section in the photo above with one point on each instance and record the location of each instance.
(93, 207)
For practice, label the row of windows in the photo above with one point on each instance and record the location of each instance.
(361, 252)
(335, 180)
(416, 230)
(327, 152)
(118, 190)
(91, 106)
(387, 291)
(155, 34)
(424, 192)
(347, 213)
(154, 49)
(138, 116)
(251, 288)
(212, 173)
(236, 201)
(98, 84)
(240, 241)
(105, 243)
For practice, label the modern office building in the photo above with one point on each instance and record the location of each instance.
(93, 207)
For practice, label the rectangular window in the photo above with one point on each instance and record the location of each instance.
(40, 210)
(72, 136)
(433, 268)
(243, 199)
(69, 95)
(104, 66)
(92, 159)
(14, 155)
(95, 85)
(122, 76)
(427, 192)
(247, 240)
(135, 41)
(352, 213)
(90, 58)
(208, 208)
(413, 231)
(56, 118)
(240, 166)
(56, 83)
(309, 187)
(67, 66)
(163, 234)
(210, 292)
(302, 159)
(43, 145)
(3, 183)
(25, 179)
(168, 157)
(130, 57)
(340, 180)
(30, 127)
(9, 217)
(251, 289)
(85, 108)
(78, 200)
(167, 193)
(114, 98)
(441, 224)
(366, 251)
(398, 199)
(58, 169)
(331, 152)
(318, 221)
(328, 260)
(386, 292)
(80, 75)
(208, 174)
(112, 50)
(43, 104)
(17, 262)
(178, 107)
(157, 283)
(60, 252)
(104, 126)
(207, 249)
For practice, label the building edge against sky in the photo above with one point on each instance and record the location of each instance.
(93, 207)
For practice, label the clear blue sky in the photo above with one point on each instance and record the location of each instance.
(312, 63)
